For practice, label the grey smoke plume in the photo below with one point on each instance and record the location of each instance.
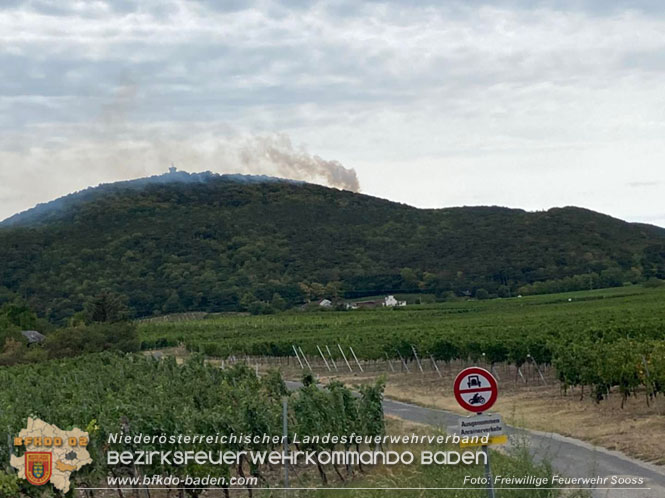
(47, 169)
(61, 159)
(288, 162)
(114, 112)
(150, 151)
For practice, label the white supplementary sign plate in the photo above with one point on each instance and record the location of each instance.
(483, 425)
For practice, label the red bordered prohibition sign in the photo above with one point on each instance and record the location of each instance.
(475, 389)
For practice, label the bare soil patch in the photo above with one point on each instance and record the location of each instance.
(636, 429)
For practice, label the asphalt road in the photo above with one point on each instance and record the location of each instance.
(568, 456)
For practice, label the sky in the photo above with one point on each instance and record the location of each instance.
(507, 102)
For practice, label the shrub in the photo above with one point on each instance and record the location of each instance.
(482, 294)
(72, 341)
(654, 282)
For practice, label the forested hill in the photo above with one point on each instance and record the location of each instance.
(227, 243)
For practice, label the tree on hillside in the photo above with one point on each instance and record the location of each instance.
(17, 315)
(503, 291)
(278, 302)
(107, 307)
(178, 247)
(482, 294)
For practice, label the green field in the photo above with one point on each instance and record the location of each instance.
(531, 323)
(602, 338)
(106, 394)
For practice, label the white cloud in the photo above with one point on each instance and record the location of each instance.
(466, 103)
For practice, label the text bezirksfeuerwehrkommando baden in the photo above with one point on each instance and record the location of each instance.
(368, 457)
(325, 457)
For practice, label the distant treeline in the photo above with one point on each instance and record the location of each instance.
(220, 245)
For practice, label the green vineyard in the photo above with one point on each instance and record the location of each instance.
(603, 339)
(107, 394)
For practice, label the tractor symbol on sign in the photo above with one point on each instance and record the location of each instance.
(473, 381)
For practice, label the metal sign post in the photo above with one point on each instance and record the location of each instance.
(488, 471)
(476, 390)
(285, 427)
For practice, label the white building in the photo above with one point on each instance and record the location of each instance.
(391, 301)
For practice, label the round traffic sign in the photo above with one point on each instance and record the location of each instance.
(475, 389)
